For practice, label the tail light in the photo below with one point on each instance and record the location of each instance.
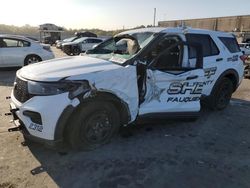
(243, 58)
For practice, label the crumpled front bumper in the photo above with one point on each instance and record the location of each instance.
(51, 110)
(18, 125)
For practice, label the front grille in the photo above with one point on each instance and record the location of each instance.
(21, 90)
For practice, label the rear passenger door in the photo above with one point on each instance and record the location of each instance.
(212, 60)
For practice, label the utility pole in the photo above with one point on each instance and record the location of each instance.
(154, 16)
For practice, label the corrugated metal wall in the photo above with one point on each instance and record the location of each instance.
(228, 24)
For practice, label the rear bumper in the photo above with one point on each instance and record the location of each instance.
(48, 56)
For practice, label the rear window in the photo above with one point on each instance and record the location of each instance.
(209, 48)
(231, 44)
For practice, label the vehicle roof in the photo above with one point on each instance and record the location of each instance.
(16, 37)
(143, 30)
(176, 30)
(90, 38)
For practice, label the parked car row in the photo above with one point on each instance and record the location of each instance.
(60, 42)
(81, 42)
(80, 45)
(18, 51)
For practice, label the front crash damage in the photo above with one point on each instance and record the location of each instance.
(46, 116)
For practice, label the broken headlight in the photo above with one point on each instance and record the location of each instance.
(55, 88)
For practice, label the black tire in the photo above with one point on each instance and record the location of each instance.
(221, 95)
(93, 125)
(76, 51)
(30, 59)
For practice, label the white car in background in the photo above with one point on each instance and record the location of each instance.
(80, 45)
(18, 51)
(245, 48)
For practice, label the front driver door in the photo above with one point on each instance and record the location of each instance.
(170, 87)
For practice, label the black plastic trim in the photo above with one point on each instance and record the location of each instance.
(62, 122)
(169, 115)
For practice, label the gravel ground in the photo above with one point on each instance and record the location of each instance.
(210, 152)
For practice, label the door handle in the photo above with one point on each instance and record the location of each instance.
(219, 59)
(192, 77)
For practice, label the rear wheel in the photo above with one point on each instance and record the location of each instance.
(221, 95)
(76, 51)
(93, 125)
(32, 59)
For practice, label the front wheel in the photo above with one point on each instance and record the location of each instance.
(221, 95)
(93, 125)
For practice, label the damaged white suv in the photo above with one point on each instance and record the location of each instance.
(146, 72)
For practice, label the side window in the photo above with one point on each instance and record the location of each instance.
(3, 44)
(89, 41)
(22, 43)
(209, 47)
(230, 43)
(96, 41)
(10, 43)
(167, 54)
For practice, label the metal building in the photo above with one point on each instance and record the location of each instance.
(240, 25)
(49, 33)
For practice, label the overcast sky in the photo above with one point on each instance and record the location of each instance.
(113, 14)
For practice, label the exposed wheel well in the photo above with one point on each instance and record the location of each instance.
(230, 74)
(121, 106)
(233, 79)
(64, 120)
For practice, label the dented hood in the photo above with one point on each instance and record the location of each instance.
(56, 69)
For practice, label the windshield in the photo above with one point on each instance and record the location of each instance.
(122, 47)
(80, 40)
(69, 39)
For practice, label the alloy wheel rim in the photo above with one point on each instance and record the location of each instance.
(32, 60)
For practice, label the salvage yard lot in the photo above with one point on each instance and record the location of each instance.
(212, 151)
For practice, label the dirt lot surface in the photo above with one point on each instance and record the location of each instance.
(212, 152)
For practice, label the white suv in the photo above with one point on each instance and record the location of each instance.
(146, 72)
(18, 51)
